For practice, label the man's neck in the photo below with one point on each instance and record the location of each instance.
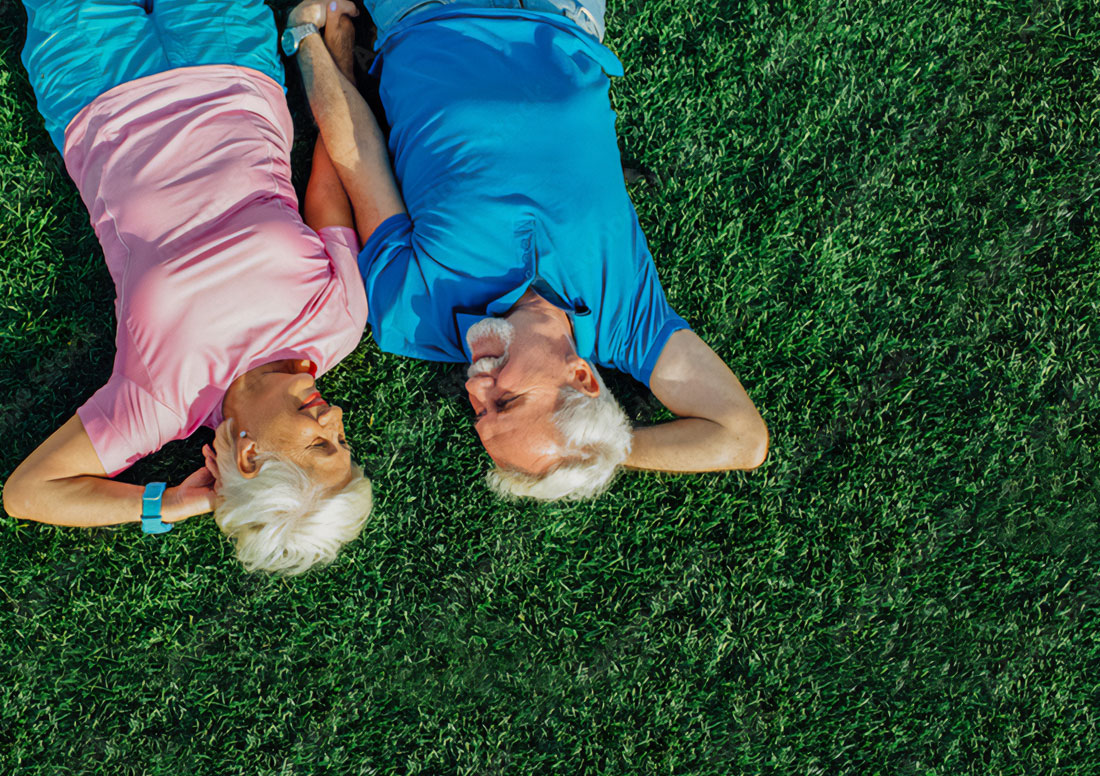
(534, 309)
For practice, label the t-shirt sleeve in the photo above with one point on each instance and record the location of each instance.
(125, 424)
(342, 246)
(391, 276)
(651, 322)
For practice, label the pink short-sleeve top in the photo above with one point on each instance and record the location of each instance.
(186, 175)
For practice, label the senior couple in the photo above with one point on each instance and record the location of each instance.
(494, 230)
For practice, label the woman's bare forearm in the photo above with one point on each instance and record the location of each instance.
(326, 202)
(84, 501)
(63, 483)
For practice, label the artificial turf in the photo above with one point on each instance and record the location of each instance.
(884, 216)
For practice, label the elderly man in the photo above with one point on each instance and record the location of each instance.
(515, 247)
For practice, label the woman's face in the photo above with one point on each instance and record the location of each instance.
(283, 413)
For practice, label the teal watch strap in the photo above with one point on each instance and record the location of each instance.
(150, 509)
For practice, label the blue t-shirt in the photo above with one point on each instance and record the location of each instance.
(504, 148)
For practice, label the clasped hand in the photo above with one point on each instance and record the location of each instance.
(317, 12)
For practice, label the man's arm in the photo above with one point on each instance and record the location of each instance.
(351, 135)
(62, 482)
(718, 427)
(326, 203)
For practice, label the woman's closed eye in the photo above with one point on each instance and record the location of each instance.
(324, 444)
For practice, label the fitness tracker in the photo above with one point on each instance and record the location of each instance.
(150, 509)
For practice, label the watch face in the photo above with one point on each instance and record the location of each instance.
(289, 43)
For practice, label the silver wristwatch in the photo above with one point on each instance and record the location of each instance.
(293, 37)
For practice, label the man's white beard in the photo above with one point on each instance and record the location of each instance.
(500, 330)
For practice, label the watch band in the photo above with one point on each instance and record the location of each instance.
(150, 509)
(293, 37)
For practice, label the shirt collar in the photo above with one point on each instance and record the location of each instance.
(584, 329)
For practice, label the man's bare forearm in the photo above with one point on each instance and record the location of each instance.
(718, 428)
(351, 136)
(698, 445)
(326, 202)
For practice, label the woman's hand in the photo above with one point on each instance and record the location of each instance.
(193, 496)
(211, 462)
(316, 12)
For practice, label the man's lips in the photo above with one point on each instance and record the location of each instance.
(313, 400)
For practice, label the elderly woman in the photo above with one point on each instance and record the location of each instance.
(172, 121)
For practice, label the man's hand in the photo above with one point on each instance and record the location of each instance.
(340, 40)
(317, 12)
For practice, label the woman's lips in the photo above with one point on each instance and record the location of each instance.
(313, 401)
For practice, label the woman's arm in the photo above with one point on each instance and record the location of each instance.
(718, 428)
(62, 482)
(326, 202)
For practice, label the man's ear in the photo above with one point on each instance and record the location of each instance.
(582, 376)
(245, 454)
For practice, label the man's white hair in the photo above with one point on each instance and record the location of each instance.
(282, 521)
(597, 437)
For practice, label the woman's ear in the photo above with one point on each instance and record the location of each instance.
(583, 377)
(236, 446)
(245, 454)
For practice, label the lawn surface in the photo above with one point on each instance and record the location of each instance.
(884, 216)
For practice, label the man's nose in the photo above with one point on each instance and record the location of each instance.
(478, 387)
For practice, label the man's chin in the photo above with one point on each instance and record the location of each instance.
(489, 337)
(484, 365)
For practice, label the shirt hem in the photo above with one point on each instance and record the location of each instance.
(162, 75)
(601, 53)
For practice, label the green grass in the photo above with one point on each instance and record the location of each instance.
(884, 216)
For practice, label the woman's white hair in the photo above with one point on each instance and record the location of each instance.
(281, 520)
(597, 437)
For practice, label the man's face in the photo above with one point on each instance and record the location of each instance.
(287, 416)
(514, 387)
